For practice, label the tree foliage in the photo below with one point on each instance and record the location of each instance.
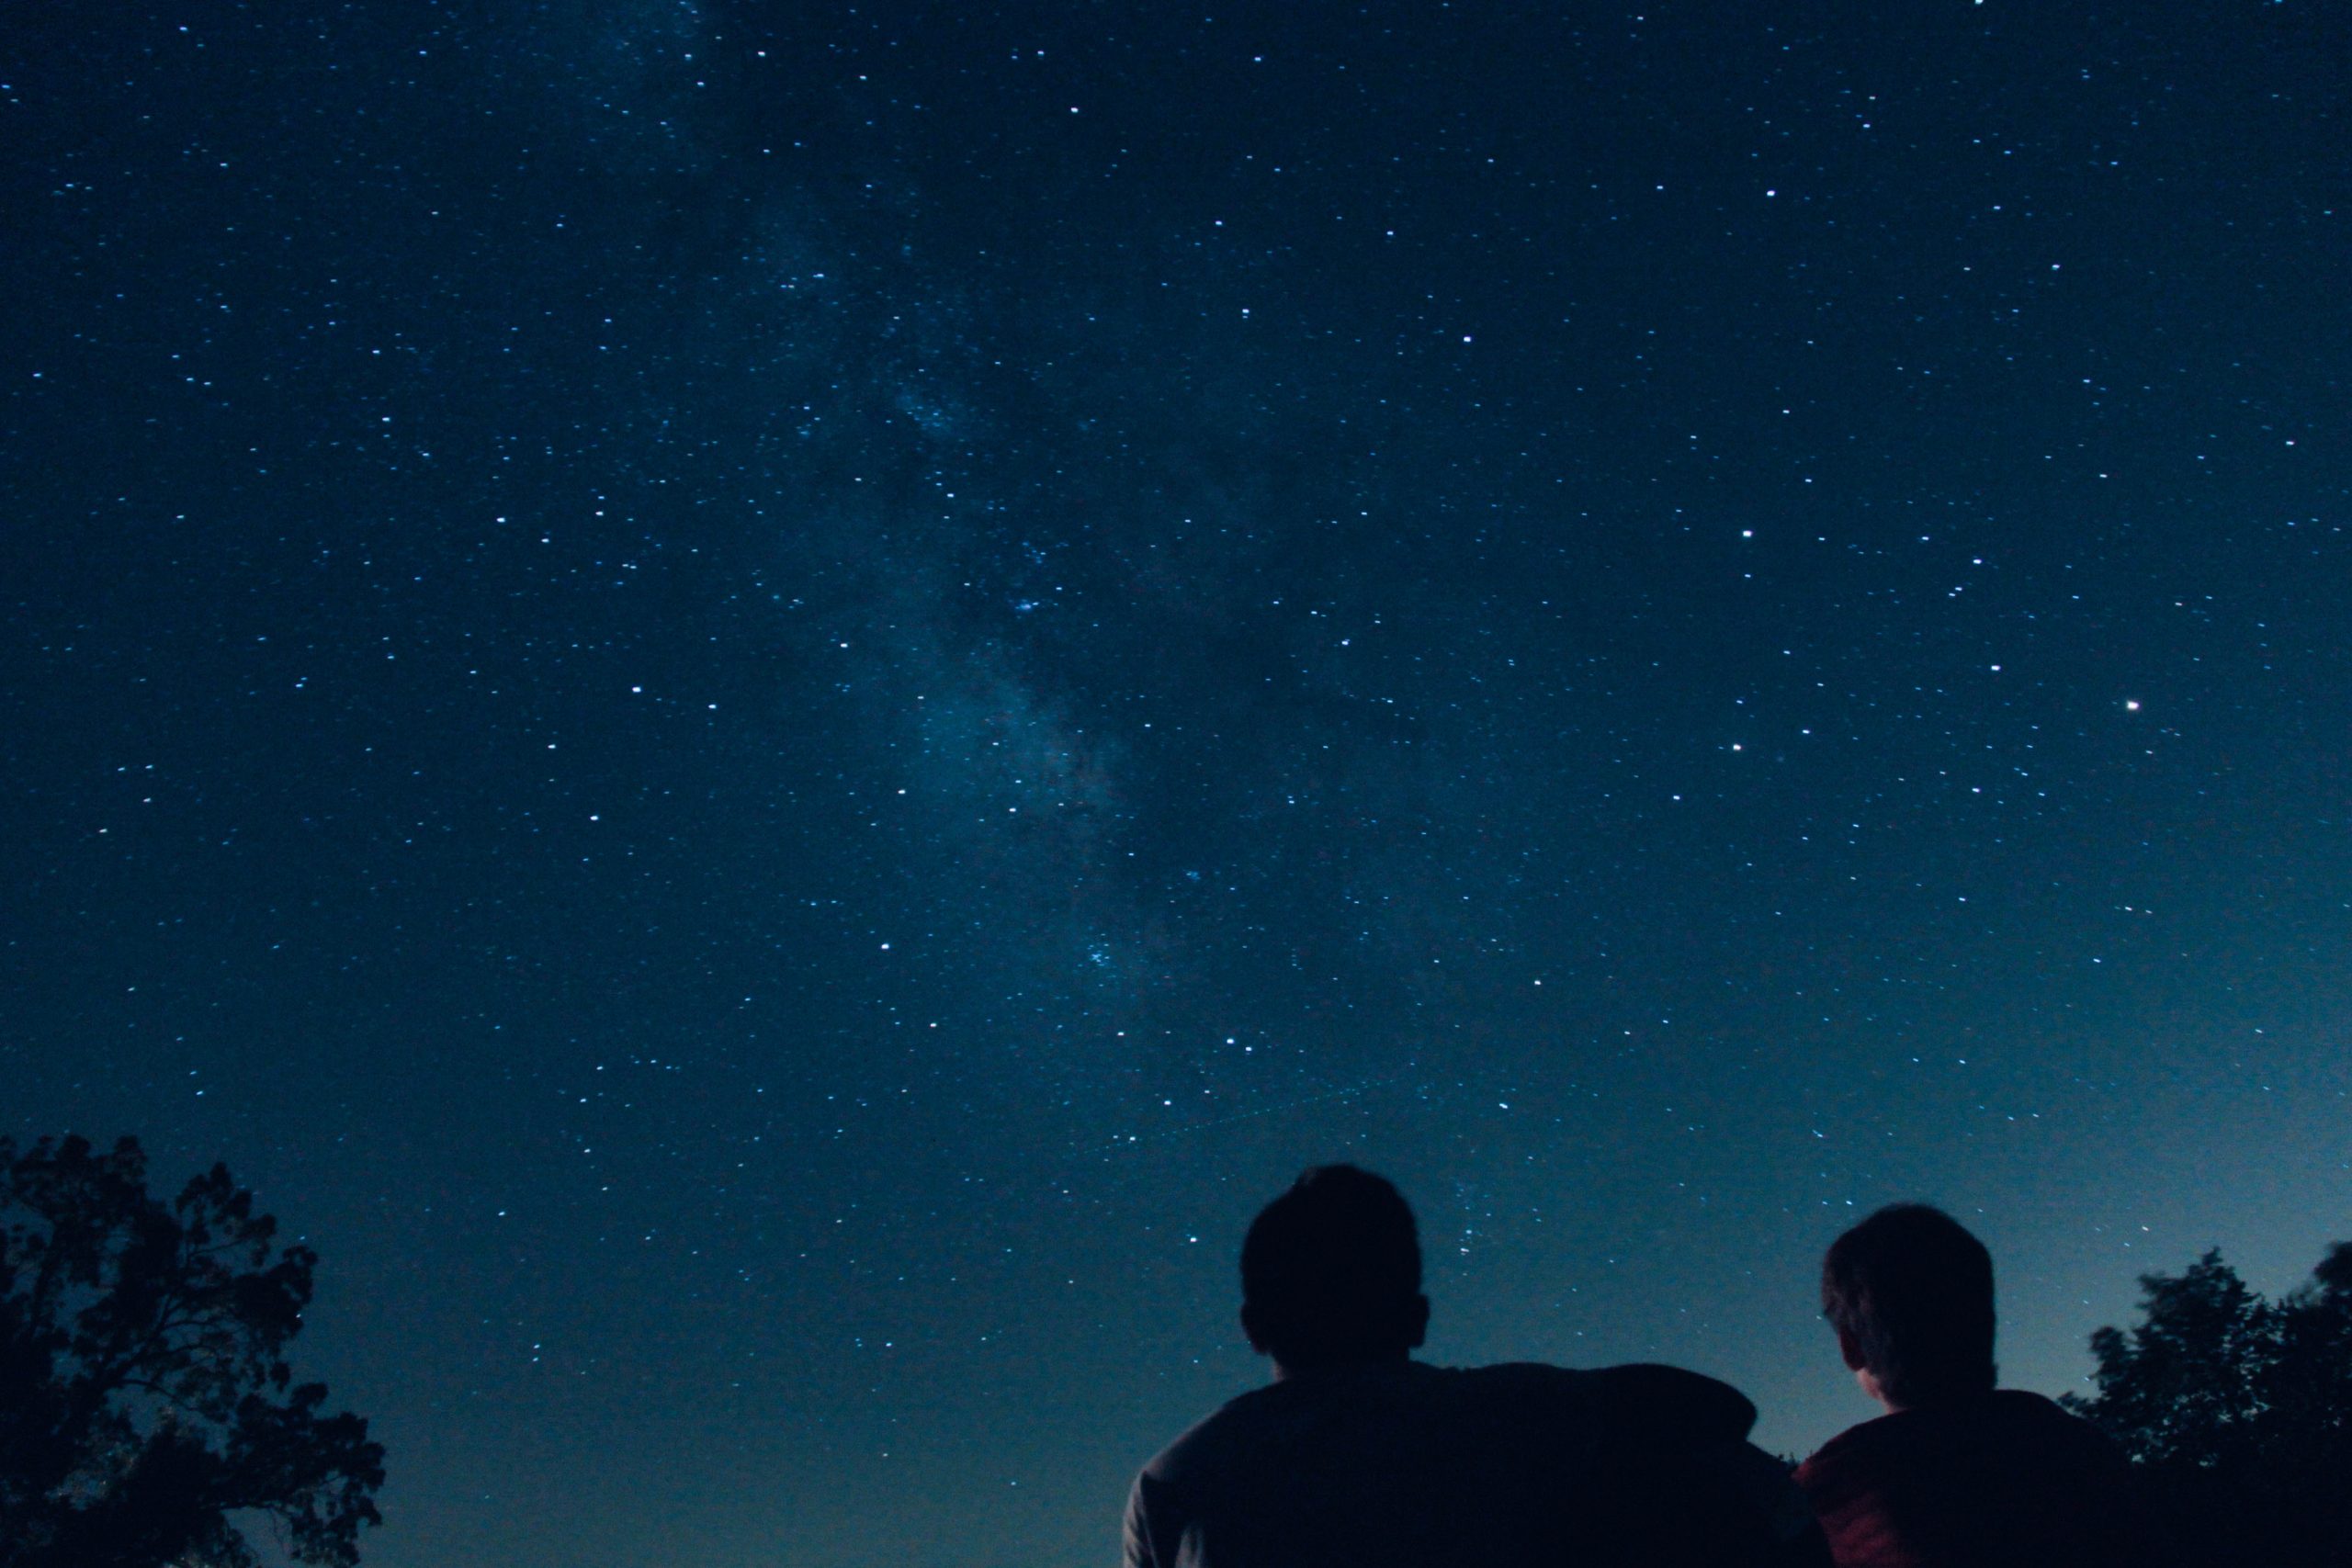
(146, 1406)
(2238, 1409)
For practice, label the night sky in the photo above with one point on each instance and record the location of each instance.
(766, 707)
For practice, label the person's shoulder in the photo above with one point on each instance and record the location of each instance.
(1646, 1393)
(2022, 1407)
(1507, 1378)
(2018, 1419)
(1863, 1435)
(2052, 1427)
(2026, 1427)
(1230, 1427)
(1857, 1448)
(1635, 1406)
(1674, 1402)
(1530, 1391)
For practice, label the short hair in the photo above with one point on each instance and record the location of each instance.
(1332, 1270)
(1913, 1290)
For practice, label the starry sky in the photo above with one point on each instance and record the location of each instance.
(767, 706)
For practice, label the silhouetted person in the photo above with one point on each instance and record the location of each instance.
(1356, 1454)
(1958, 1473)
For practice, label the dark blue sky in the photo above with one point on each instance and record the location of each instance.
(766, 707)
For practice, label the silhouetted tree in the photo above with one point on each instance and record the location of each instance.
(2309, 1454)
(2238, 1410)
(144, 1398)
(2186, 1386)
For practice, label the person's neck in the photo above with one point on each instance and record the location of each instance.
(1284, 1371)
(1934, 1401)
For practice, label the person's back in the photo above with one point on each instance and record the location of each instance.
(1402, 1464)
(1411, 1465)
(1958, 1473)
(1356, 1455)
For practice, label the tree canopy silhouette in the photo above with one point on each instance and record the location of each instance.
(146, 1406)
(2238, 1409)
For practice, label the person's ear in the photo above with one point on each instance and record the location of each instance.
(1851, 1349)
(1418, 1320)
(1250, 1330)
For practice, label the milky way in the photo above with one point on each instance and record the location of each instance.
(765, 707)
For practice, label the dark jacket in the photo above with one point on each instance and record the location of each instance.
(1496, 1467)
(2005, 1479)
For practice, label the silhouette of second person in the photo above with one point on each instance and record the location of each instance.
(1357, 1454)
(1957, 1473)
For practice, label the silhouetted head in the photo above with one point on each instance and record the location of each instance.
(1332, 1273)
(1910, 1293)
